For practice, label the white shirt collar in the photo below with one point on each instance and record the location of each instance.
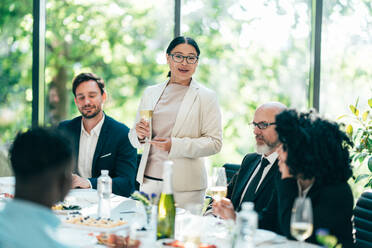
(272, 157)
(96, 130)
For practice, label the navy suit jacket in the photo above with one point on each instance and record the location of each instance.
(239, 181)
(113, 153)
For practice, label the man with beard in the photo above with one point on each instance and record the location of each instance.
(255, 179)
(101, 142)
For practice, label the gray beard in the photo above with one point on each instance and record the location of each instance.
(263, 149)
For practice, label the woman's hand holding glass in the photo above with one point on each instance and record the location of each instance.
(143, 128)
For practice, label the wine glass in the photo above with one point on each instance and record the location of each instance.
(146, 115)
(302, 219)
(218, 183)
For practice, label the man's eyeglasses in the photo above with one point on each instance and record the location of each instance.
(178, 58)
(262, 125)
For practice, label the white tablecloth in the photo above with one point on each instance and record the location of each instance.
(209, 229)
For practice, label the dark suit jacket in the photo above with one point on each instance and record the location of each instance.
(332, 209)
(120, 159)
(240, 179)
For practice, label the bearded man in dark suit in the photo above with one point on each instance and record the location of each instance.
(256, 177)
(101, 143)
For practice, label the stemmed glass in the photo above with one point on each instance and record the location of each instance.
(218, 184)
(146, 115)
(302, 219)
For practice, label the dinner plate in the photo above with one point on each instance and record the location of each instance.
(75, 238)
(97, 229)
(262, 236)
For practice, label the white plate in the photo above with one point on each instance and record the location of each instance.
(75, 238)
(66, 212)
(262, 236)
(180, 211)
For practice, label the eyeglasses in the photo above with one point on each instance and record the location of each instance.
(262, 125)
(178, 58)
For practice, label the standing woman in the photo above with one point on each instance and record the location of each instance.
(186, 126)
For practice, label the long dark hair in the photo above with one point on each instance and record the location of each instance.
(182, 40)
(316, 147)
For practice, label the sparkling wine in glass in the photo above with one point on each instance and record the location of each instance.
(218, 184)
(146, 115)
(302, 219)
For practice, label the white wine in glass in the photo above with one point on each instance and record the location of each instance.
(146, 115)
(218, 184)
(302, 219)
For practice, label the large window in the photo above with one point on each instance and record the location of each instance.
(15, 67)
(122, 41)
(251, 52)
(346, 56)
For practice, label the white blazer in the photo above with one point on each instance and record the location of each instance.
(197, 133)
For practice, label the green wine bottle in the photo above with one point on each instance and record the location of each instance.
(166, 207)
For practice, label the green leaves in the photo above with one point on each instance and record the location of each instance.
(370, 102)
(354, 110)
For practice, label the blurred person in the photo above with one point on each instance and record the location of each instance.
(314, 162)
(186, 126)
(41, 160)
(100, 141)
(53, 116)
(254, 181)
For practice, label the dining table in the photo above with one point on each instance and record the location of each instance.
(140, 226)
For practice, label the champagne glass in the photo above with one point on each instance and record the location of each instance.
(146, 115)
(302, 219)
(218, 184)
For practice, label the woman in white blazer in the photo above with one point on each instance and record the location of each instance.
(186, 126)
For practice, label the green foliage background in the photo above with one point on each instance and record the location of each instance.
(245, 57)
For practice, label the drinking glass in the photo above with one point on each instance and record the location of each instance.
(146, 115)
(218, 183)
(302, 219)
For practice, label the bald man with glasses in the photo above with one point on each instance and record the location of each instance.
(255, 179)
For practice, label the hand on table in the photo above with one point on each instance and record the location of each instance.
(224, 209)
(164, 144)
(79, 182)
(142, 129)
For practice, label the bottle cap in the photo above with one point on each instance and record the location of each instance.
(104, 172)
(247, 206)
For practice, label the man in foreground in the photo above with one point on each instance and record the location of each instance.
(42, 160)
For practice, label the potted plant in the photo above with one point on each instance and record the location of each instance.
(359, 129)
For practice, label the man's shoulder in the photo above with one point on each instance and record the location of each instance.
(70, 123)
(250, 157)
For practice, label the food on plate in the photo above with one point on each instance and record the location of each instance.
(113, 240)
(177, 243)
(65, 207)
(95, 222)
(6, 195)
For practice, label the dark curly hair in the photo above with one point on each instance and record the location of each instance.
(86, 76)
(316, 147)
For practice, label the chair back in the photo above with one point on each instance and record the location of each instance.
(363, 220)
(231, 170)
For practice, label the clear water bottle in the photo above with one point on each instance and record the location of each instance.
(247, 221)
(104, 189)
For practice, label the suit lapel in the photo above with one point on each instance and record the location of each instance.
(185, 107)
(268, 177)
(103, 135)
(244, 180)
(76, 136)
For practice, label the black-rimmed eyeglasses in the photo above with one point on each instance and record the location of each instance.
(178, 58)
(262, 125)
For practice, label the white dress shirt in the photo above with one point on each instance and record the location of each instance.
(271, 158)
(87, 147)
